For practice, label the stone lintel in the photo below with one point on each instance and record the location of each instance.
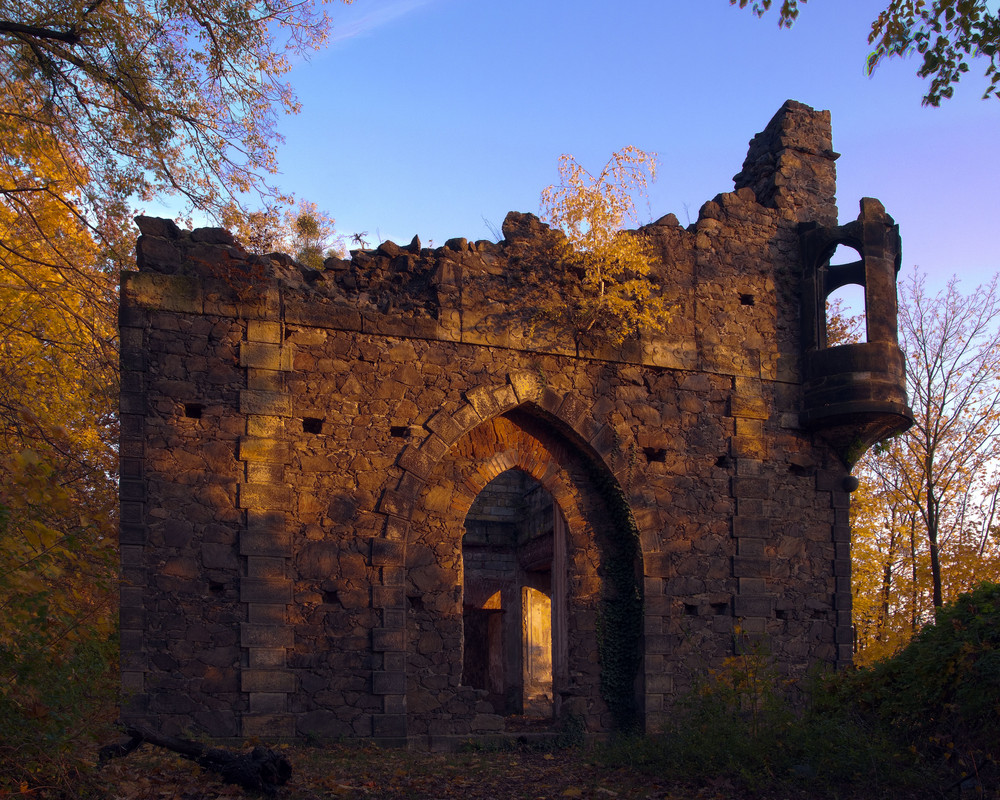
(393, 618)
(264, 331)
(388, 682)
(753, 605)
(262, 496)
(387, 552)
(388, 597)
(262, 355)
(748, 567)
(752, 548)
(751, 487)
(271, 404)
(254, 448)
(752, 527)
(267, 657)
(268, 702)
(394, 662)
(266, 590)
(384, 639)
(388, 726)
(266, 543)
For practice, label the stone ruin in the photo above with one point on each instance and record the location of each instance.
(381, 500)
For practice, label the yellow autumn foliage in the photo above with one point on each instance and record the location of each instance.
(925, 523)
(58, 395)
(592, 211)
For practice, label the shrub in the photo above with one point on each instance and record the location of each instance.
(940, 695)
(746, 726)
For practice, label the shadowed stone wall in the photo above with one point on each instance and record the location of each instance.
(300, 451)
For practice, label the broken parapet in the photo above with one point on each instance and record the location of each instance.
(790, 165)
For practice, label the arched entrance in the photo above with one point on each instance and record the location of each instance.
(514, 596)
(571, 560)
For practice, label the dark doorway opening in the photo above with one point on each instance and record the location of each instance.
(514, 597)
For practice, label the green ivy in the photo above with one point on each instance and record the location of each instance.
(619, 624)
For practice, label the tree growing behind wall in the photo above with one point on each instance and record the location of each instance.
(303, 230)
(946, 34)
(925, 520)
(613, 264)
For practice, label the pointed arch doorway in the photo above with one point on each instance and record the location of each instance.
(514, 605)
(594, 675)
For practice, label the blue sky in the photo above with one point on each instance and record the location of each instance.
(427, 116)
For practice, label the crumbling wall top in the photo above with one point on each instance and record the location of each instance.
(790, 165)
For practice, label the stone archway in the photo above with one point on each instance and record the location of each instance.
(437, 698)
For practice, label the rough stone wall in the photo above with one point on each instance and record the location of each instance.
(300, 451)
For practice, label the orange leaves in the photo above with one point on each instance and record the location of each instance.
(619, 299)
(91, 124)
(925, 518)
(593, 210)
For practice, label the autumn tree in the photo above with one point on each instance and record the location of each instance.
(888, 549)
(304, 231)
(947, 34)
(106, 104)
(592, 211)
(952, 346)
(58, 398)
(925, 517)
(153, 97)
(110, 104)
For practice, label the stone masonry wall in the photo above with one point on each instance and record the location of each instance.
(300, 450)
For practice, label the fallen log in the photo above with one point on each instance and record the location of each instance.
(260, 770)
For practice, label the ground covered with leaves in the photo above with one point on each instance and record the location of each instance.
(356, 772)
(345, 771)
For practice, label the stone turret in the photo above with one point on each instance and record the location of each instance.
(855, 394)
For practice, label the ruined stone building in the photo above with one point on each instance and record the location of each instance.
(381, 500)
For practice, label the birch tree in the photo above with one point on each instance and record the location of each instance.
(592, 211)
(925, 519)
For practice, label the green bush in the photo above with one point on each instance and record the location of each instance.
(923, 723)
(940, 695)
(743, 724)
(51, 710)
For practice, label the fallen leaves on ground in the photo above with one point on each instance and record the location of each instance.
(355, 772)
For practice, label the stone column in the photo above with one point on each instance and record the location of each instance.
(836, 483)
(388, 645)
(753, 603)
(265, 542)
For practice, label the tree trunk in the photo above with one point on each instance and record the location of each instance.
(260, 770)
